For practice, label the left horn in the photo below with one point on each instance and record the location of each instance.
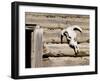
(61, 39)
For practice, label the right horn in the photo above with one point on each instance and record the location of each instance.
(77, 28)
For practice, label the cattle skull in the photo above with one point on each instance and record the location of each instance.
(71, 37)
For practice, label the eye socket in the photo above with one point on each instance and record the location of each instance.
(65, 33)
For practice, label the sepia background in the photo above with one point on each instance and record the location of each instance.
(55, 53)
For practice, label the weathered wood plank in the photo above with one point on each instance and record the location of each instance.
(36, 56)
(65, 61)
(65, 50)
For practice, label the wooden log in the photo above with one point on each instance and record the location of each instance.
(53, 36)
(58, 50)
(65, 61)
(56, 21)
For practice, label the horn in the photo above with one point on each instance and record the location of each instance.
(61, 38)
(77, 28)
(62, 34)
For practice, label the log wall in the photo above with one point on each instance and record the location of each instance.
(52, 25)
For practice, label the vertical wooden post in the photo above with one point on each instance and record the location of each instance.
(38, 47)
(32, 50)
